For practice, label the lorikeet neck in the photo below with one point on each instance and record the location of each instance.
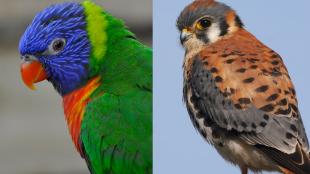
(74, 106)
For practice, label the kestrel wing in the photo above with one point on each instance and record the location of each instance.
(242, 85)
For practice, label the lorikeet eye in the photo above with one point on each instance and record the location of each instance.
(203, 23)
(57, 45)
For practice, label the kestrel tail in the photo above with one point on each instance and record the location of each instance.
(239, 94)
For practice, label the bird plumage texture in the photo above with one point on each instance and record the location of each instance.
(238, 92)
(104, 75)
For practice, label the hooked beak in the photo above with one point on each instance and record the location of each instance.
(31, 71)
(185, 35)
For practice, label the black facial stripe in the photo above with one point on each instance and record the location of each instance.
(238, 21)
(201, 36)
(223, 27)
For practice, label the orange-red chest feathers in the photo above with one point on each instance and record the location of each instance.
(74, 107)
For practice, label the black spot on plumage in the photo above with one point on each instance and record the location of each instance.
(244, 100)
(283, 112)
(266, 117)
(215, 134)
(226, 94)
(232, 90)
(218, 79)
(275, 62)
(293, 128)
(267, 108)
(243, 124)
(294, 107)
(294, 115)
(253, 126)
(289, 135)
(263, 88)
(275, 73)
(241, 70)
(238, 106)
(265, 71)
(253, 60)
(213, 70)
(262, 124)
(200, 114)
(248, 80)
(272, 97)
(293, 91)
(230, 61)
(253, 66)
(225, 55)
(274, 56)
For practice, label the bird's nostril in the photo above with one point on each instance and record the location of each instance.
(25, 57)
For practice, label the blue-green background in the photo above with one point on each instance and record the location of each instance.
(282, 25)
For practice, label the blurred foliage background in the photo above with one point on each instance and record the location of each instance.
(33, 133)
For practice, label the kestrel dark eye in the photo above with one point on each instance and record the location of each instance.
(58, 45)
(203, 24)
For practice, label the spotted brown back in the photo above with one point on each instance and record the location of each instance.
(251, 73)
(243, 85)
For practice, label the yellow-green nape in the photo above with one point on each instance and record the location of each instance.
(96, 27)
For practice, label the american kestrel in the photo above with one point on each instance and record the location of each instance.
(239, 94)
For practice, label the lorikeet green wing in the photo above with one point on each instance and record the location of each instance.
(116, 128)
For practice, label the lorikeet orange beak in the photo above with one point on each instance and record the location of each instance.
(32, 72)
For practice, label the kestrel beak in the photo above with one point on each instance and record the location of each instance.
(32, 71)
(185, 34)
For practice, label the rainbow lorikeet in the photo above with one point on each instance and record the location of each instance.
(104, 76)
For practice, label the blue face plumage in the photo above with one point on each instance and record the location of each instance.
(58, 39)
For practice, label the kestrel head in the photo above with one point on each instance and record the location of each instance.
(206, 21)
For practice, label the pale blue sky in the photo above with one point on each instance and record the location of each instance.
(178, 148)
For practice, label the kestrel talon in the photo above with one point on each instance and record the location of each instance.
(239, 94)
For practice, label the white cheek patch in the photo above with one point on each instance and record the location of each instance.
(213, 33)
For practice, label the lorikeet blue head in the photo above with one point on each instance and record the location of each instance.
(55, 47)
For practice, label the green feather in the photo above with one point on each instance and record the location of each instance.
(116, 130)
